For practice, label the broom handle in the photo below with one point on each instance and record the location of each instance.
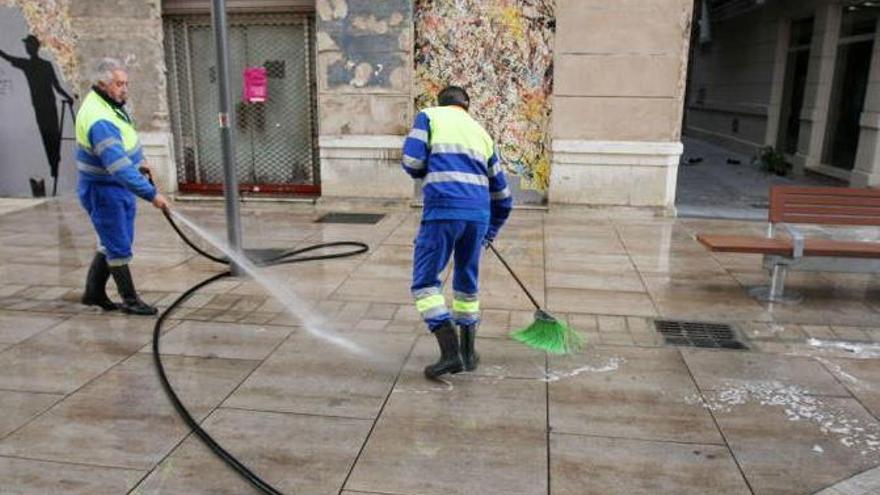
(500, 258)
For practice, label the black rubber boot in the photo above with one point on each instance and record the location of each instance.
(469, 356)
(131, 303)
(450, 360)
(96, 283)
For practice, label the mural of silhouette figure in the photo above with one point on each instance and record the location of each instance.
(43, 83)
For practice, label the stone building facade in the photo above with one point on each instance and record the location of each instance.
(585, 97)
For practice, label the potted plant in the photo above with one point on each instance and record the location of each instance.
(773, 161)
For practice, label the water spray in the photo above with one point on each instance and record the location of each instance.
(237, 260)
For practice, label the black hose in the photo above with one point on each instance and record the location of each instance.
(284, 258)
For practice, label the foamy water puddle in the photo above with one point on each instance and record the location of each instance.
(798, 405)
(863, 350)
(611, 364)
(493, 374)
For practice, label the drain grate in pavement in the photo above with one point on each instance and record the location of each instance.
(357, 218)
(698, 334)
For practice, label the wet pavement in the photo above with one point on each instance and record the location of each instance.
(82, 411)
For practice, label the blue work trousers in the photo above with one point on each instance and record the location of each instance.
(436, 242)
(111, 208)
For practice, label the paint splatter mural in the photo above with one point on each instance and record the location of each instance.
(501, 51)
(49, 21)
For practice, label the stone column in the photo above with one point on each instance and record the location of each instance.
(867, 170)
(817, 93)
(364, 74)
(131, 30)
(619, 79)
(777, 87)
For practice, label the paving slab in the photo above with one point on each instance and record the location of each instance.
(789, 443)
(16, 327)
(568, 279)
(224, 340)
(866, 483)
(34, 274)
(67, 356)
(469, 435)
(310, 376)
(124, 419)
(582, 465)
(27, 477)
(373, 289)
(293, 453)
(17, 408)
(599, 302)
(717, 369)
(705, 297)
(860, 376)
(627, 392)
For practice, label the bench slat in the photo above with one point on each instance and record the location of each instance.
(826, 191)
(783, 247)
(795, 199)
(832, 220)
(847, 249)
(847, 211)
(745, 244)
(825, 205)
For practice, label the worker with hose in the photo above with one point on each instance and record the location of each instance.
(111, 167)
(466, 202)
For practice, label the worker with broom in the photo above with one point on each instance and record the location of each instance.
(111, 167)
(466, 202)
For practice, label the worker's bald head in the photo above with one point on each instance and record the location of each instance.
(454, 95)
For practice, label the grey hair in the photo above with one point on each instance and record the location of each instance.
(104, 70)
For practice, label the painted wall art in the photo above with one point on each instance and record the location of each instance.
(36, 149)
(50, 22)
(501, 52)
(365, 38)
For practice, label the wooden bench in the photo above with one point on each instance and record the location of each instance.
(828, 206)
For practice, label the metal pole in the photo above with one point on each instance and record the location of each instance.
(227, 144)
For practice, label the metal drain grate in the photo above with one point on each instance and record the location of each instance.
(358, 218)
(698, 334)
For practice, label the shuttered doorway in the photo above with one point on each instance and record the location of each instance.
(276, 141)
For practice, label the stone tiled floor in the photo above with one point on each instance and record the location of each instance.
(82, 412)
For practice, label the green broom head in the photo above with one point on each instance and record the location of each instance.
(548, 334)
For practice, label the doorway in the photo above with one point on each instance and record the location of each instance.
(276, 140)
(852, 65)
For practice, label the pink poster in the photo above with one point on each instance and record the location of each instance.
(255, 88)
